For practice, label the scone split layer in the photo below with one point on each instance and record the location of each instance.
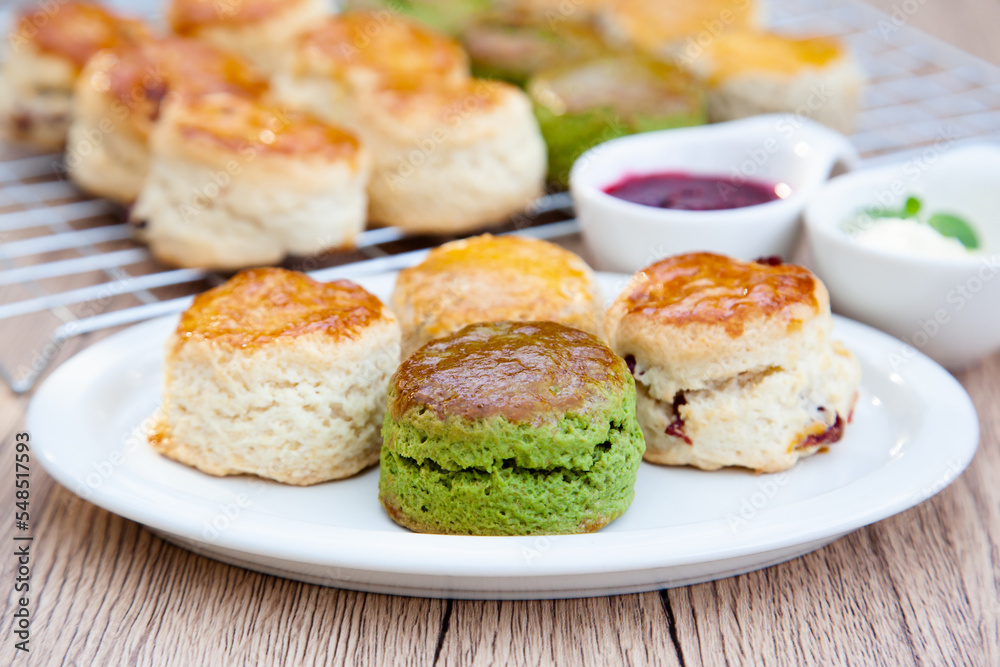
(508, 496)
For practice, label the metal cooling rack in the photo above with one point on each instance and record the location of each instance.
(68, 260)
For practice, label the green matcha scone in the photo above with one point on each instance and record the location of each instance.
(510, 428)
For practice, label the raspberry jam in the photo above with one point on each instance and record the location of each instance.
(689, 192)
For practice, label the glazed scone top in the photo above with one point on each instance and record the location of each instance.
(187, 16)
(398, 53)
(75, 30)
(232, 124)
(258, 306)
(652, 25)
(496, 278)
(439, 102)
(150, 69)
(466, 111)
(701, 318)
(525, 372)
(551, 265)
(712, 289)
(741, 52)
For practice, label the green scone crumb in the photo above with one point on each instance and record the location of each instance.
(515, 461)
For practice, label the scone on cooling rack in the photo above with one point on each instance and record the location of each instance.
(748, 73)
(733, 362)
(491, 278)
(451, 153)
(234, 183)
(276, 375)
(658, 27)
(510, 428)
(362, 50)
(119, 97)
(261, 31)
(47, 47)
(479, 155)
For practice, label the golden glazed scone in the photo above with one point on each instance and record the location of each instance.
(656, 27)
(451, 159)
(47, 47)
(749, 73)
(733, 362)
(119, 98)
(451, 153)
(491, 278)
(261, 31)
(363, 50)
(234, 183)
(276, 375)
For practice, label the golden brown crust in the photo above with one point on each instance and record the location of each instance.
(233, 123)
(438, 104)
(76, 30)
(495, 258)
(740, 52)
(401, 54)
(258, 306)
(491, 278)
(187, 16)
(521, 371)
(652, 25)
(712, 289)
(140, 75)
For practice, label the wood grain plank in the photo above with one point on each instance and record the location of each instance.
(629, 629)
(121, 594)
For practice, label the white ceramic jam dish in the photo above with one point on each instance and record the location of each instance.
(791, 154)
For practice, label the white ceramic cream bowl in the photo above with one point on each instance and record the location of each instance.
(780, 148)
(947, 308)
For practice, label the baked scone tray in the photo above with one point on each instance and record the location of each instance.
(68, 265)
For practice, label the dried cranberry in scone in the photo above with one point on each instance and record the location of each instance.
(733, 362)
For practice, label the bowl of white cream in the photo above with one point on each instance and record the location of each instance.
(913, 248)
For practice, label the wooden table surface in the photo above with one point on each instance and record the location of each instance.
(920, 588)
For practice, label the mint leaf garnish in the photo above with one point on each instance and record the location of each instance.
(954, 227)
(909, 209)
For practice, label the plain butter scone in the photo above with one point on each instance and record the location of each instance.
(234, 183)
(47, 48)
(261, 31)
(276, 375)
(491, 278)
(119, 97)
(451, 153)
(364, 50)
(656, 27)
(747, 73)
(733, 362)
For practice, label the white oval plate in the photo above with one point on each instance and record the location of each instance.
(914, 431)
